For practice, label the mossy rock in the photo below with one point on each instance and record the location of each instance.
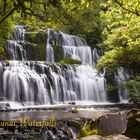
(35, 45)
(70, 61)
(74, 110)
(133, 113)
(133, 125)
(35, 52)
(7, 62)
(58, 53)
(39, 37)
(89, 129)
(114, 123)
(86, 131)
(112, 89)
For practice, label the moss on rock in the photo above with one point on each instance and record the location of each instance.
(58, 53)
(89, 129)
(133, 125)
(70, 61)
(74, 110)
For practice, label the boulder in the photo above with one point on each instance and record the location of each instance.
(133, 126)
(114, 123)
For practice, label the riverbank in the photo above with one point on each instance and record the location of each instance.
(73, 122)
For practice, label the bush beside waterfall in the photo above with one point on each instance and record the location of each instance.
(133, 86)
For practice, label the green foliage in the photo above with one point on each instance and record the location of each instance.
(83, 15)
(70, 61)
(89, 129)
(77, 17)
(121, 35)
(61, 13)
(121, 42)
(110, 60)
(5, 33)
(2, 52)
(37, 37)
(111, 87)
(133, 86)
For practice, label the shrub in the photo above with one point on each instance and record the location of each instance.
(133, 86)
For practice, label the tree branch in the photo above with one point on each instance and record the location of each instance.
(129, 10)
(9, 13)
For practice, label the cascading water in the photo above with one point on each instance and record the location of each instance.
(95, 56)
(15, 48)
(120, 77)
(43, 83)
(74, 47)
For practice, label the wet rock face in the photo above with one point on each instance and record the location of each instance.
(27, 45)
(107, 127)
(4, 106)
(58, 53)
(133, 126)
(112, 124)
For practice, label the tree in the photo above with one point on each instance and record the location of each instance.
(62, 12)
(121, 34)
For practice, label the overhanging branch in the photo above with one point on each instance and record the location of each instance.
(7, 15)
(128, 10)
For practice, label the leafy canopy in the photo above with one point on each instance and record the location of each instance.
(121, 34)
(73, 16)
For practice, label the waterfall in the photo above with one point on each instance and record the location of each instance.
(15, 49)
(36, 83)
(42, 82)
(120, 77)
(95, 56)
(73, 46)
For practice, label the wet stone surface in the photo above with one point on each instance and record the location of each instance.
(112, 124)
(67, 125)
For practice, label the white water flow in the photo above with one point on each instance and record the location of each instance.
(121, 76)
(95, 56)
(47, 83)
(73, 46)
(38, 83)
(15, 49)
